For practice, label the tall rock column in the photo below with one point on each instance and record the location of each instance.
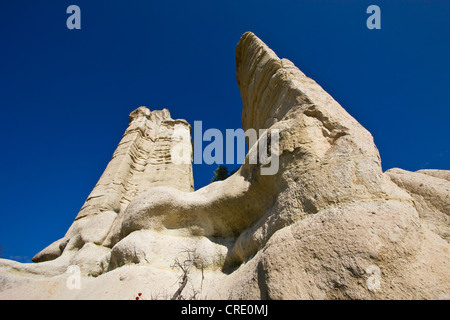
(141, 161)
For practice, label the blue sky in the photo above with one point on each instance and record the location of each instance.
(65, 95)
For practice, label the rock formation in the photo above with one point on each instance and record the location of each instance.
(141, 161)
(328, 225)
(430, 190)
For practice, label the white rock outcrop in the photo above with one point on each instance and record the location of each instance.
(141, 161)
(430, 190)
(328, 225)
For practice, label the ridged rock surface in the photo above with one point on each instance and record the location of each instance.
(141, 161)
(328, 225)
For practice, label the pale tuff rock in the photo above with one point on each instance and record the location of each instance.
(430, 190)
(441, 174)
(328, 225)
(141, 161)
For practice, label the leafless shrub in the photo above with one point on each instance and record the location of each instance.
(193, 259)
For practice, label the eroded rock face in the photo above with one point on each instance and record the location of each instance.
(141, 161)
(430, 190)
(328, 225)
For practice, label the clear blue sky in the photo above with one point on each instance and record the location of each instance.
(65, 95)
